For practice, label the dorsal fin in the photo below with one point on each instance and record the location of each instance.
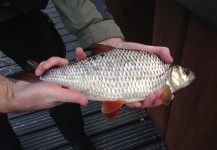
(99, 48)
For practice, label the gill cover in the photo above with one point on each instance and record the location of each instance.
(180, 78)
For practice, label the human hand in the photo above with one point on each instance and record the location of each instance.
(152, 99)
(162, 52)
(42, 95)
(57, 61)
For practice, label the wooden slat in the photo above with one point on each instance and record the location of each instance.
(135, 18)
(193, 120)
(170, 25)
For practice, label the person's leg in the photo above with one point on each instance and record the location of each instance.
(68, 119)
(30, 36)
(26, 37)
(71, 125)
(7, 134)
(33, 37)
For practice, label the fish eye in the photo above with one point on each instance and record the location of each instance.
(187, 71)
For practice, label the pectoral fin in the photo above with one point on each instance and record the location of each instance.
(111, 108)
(166, 95)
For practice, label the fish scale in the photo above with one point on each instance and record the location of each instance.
(129, 75)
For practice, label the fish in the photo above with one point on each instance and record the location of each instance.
(117, 76)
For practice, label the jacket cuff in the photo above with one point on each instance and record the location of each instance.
(98, 32)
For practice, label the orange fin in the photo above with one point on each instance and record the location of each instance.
(166, 95)
(111, 108)
(99, 48)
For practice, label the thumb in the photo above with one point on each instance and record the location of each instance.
(80, 54)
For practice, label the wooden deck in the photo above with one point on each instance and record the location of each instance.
(132, 129)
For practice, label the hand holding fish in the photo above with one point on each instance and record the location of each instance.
(162, 52)
(43, 95)
(153, 99)
(118, 76)
(24, 96)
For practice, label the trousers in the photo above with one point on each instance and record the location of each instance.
(33, 36)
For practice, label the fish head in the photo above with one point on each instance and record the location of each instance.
(180, 77)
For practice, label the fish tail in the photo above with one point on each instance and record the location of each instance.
(28, 75)
(24, 76)
(31, 65)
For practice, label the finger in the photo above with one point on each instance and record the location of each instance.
(157, 102)
(80, 54)
(162, 52)
(158, 92)
(134, 105)
(39, 70)
(53, 61)
(172, 98)
(148, 102)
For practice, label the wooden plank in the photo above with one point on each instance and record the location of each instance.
(203, 8)
(193, 118)
(169, 30)
(135, 18)
(170, 25)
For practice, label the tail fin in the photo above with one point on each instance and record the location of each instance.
(31, 65)
(24, 76)
(28, 75)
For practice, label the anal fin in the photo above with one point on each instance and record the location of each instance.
(111, 108)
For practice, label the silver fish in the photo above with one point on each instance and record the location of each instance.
(120, 74)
